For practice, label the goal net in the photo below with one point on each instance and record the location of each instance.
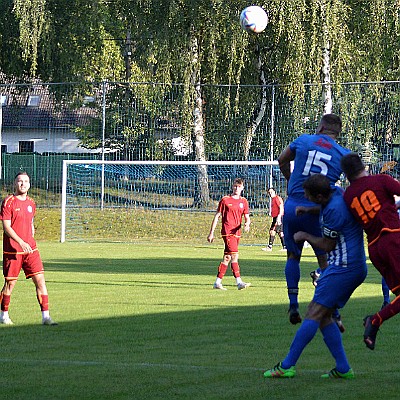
(153, 200)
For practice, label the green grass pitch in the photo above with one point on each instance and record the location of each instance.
(141, 321)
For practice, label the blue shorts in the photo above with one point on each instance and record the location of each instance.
(336, 285)
(291, 224)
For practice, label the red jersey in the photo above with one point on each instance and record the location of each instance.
(20, 213)
(276, 206)
(371, 201)
(232, 211)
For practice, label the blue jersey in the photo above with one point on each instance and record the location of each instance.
(347, 267)
(314, 154)
(338, 223)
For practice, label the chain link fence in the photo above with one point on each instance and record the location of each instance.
(42, 124)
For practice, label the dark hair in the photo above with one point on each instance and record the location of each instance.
(317, 184)
(238, 181)
(331, 123)
(21, 173)
(351, 165)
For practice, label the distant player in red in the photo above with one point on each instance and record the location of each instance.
(371, 200)
(277, 211)
(232, 208)
(20, 250)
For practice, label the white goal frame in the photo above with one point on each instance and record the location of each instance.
(66, 163)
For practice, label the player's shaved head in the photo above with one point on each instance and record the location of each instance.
(330, 123)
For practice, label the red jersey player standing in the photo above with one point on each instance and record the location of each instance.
(370, 198)
(20, 250)
(277, 211)
(232, 208)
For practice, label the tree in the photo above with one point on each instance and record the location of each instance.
(31, 15)
(184, 46)
(11, 58)
(199, 43)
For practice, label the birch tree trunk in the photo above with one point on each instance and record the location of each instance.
(258, 112)
(326, 64)
(202, 194)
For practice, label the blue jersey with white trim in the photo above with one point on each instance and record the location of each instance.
(338, 223)
(314, 154)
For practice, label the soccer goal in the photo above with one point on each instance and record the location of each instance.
(158, 200)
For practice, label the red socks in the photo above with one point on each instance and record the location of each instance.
(5, 302)
(44, 302)
(222, 270)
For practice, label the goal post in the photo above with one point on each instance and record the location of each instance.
(166, 200)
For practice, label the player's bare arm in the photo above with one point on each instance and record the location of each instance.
(301, 210)
(214, 223)
(322, 243)
(247, 222)
(281, 208)
(284, 162)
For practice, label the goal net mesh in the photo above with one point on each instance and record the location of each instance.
(136, 201)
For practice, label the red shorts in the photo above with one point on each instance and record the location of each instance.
(231, 244)
(385, 255)
(31, 264)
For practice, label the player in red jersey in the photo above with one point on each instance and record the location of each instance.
(277, 211)
(371, 200)
(20, 250)
(232, 208)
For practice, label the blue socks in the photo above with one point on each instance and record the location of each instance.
(292, 273)
(304, 335)
(333, 340)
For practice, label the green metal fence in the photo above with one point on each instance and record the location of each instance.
(148, 121)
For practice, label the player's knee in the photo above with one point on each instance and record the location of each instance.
(316, 312)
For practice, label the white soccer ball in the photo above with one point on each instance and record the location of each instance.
(253, 19)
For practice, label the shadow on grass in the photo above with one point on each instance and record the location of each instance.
(144, 323)
(163, 259)
(215, 353)
(203, 266)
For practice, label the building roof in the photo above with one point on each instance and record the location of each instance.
(36, 107)
(40, 118)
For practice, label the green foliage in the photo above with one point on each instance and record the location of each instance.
(85, 39)
(31, 16)
(11, 58)
(199, 43)
(375, 29)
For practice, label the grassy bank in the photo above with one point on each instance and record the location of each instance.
(137, 224)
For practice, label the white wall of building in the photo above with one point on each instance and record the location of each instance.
(53, 141)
